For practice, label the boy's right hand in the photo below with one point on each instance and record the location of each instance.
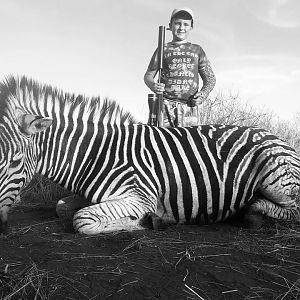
(158, 88)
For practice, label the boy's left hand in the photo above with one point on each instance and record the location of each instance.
(200, 97)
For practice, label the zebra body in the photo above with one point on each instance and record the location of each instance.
(195, 175)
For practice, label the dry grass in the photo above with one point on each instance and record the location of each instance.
(41, 190)
(24, 282)
(27, 281)
(269, 257)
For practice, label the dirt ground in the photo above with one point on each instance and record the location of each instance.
(42, 258)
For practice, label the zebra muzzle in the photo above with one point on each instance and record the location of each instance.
(3, 223)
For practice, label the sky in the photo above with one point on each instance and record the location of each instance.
(102, 48)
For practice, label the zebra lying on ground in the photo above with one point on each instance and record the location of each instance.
(125, 172)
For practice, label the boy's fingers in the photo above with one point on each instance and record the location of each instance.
(160, 87)
(196, 96)
(200, 101)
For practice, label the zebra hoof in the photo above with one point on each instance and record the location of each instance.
(253, 220)
(296, 215)
(63, 210)
(153, 221)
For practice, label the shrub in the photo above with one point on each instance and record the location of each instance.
(230, 110)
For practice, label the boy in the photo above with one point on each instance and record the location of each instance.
(182, 62)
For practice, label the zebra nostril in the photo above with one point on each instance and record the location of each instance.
(3, 228)
(3, 220)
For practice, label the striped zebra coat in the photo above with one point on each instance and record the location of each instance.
(124, 172)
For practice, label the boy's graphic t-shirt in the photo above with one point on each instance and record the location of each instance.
(181, 64)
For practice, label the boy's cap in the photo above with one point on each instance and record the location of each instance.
(185, 9)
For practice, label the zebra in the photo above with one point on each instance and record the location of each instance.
(125, 173)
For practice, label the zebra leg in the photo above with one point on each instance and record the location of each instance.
(279, 192)
(66, 207)
(113, 215)
(282, 205)
(274, 210)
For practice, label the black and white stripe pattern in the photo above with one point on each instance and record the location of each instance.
(195, 175)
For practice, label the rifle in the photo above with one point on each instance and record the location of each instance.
(155, 101)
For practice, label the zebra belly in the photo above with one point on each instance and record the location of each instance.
(202, 211)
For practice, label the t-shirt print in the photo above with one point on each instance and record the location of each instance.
(181, 64)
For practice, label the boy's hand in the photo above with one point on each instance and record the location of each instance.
(200, 97)
(191, 101)
(158, 88)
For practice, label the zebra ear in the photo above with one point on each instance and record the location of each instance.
(31, 124)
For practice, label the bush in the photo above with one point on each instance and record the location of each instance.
(43, 191)
(231, 110)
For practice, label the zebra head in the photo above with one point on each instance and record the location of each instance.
(18, 155)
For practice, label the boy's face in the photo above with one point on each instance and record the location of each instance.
(180, 29)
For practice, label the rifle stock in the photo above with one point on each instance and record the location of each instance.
(152, 103)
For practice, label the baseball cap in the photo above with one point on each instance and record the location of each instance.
(184, 9)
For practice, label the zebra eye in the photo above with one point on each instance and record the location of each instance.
(8, 166)
(15, 161)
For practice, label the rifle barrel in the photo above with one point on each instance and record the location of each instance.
(161, 43)
(160, 55)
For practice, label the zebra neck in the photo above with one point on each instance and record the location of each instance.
(70, 157)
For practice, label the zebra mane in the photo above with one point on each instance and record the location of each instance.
(33, 96)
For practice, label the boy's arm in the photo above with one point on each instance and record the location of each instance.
(149, 79)
(209, 81)
(151, 72)
(155, 87)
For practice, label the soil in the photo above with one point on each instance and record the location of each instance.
(42, 258)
